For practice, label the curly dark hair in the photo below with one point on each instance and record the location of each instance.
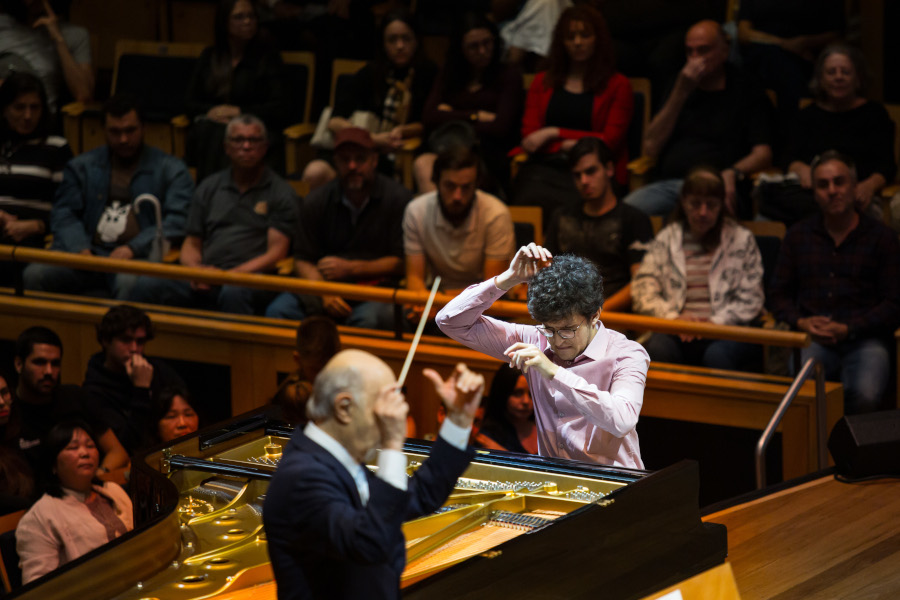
(120, 319)
(570, 285)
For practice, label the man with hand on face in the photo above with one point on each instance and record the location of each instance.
(715, 115)
(94, 214)
(334, 527)
(838, 279)
(123, 383)
(458, 232)
(349, 231)
(586, 382)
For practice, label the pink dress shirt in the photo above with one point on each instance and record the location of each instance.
(589, 410)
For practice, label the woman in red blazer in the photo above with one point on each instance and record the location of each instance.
(580, 94)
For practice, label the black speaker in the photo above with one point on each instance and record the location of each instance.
(866, 445)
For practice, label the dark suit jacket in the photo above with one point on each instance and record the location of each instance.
(323, 543)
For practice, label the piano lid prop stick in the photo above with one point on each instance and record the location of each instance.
(419, 329)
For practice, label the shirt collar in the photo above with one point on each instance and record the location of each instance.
(332, 446)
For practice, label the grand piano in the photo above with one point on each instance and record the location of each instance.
(516, 526)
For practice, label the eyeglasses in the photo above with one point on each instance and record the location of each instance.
(241, 140)
(566, 333)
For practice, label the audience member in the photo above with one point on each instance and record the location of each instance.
(392, 88)
(94, 213)
(612, 234)
(334, 528)
(123, 383)
(779, 41)
(841, 118)
(527, 27)
(32, 162)
(459, 232)
(77, 512)
(579, 95)
(702, 267)
(57, 52)
(5, 404)
(238, 74)
(241, 220)
(509, 418)
(838, 279)
(17, 488)
(349, 231)
(476, 99)
(714, 115)
(175, 416)
(317, 341)
(40, 402)
(586, 381)
(648, 37)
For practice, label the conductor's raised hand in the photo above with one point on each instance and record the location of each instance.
(390, 414)
(461, 393)
(525, 264)
(524, 356)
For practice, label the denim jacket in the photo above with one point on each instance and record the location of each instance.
(81, 199)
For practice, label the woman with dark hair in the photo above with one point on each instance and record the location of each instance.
(77, 512)
(239, 74)
(31, 160)
(579, 95)
(393, 87)
(175, 416)
(476, 100)
(509, 416)
(842, 119)
(703, 266)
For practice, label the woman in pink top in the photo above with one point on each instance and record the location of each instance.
(77, 512)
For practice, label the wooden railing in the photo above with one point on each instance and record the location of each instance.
(505, 308)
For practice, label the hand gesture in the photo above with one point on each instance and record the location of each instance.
(139, 370)
(336, 306)
(390, 415)
(532, 142)
(461, 393)
(525, 264)
(334, 268)
(524, 356)
(50, 21)
(122, 252)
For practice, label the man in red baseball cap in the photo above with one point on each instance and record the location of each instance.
(349, 231)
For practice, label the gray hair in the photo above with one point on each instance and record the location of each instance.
(851, 52)
(246, 119)
(830, 155)
(328, 384)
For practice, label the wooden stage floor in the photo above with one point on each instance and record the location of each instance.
(819, 540)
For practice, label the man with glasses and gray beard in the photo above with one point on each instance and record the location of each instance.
(587, 382)
(241, 220)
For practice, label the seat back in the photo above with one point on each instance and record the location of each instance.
(342, 69)
(10, 575)
(640, 120)
(768, 235)
(300, 72)
(159, 74)
(528, 224)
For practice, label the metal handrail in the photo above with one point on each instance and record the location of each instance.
(811, 365)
